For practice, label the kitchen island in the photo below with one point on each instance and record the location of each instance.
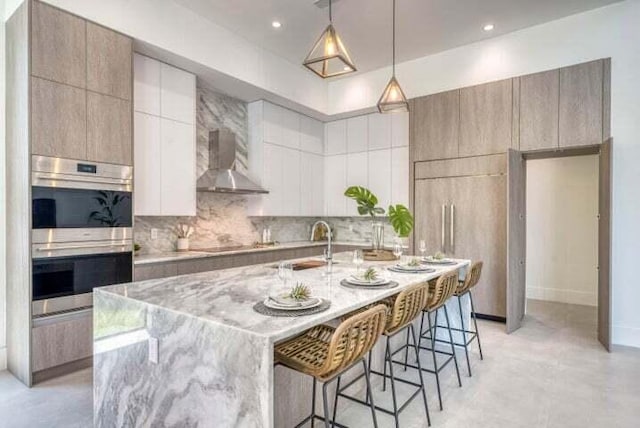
(191, 351)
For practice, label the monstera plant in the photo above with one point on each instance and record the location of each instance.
(400, 217)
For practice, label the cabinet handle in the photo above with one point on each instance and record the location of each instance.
(443, 230)
(453, 228)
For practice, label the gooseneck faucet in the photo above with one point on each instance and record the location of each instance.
(313, 231)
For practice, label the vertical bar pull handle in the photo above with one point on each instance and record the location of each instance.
(443, 228)
(453, 228)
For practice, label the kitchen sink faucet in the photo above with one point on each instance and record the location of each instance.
(329, 252)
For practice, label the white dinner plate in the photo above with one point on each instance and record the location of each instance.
(433, 261)
(356, 281)
(308, 304)
(408, 268)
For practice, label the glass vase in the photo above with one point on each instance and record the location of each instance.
(377, 235)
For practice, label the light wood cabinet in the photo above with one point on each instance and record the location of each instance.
(108, 62)
(485, 118)
(62, 341)
(464, 215)
(58, 120)
(434, 122)
(108, 129)
(539, 97)
(581, 104)
(58, 46)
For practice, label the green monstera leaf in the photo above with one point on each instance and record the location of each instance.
(365, 199)
(401, 219)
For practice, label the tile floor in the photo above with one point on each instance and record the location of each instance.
(550, 373)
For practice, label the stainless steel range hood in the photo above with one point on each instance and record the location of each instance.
(222, 176)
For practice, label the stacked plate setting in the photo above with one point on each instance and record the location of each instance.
(433, 261)
(360, 281)
(287, 303)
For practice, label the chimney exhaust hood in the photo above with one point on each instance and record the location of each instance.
(222, 177)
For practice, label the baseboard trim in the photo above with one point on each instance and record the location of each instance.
(61, 370)
(491, 318)
(562, 295)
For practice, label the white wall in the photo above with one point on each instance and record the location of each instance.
(562, 229)
(612, 31)
(3, 318)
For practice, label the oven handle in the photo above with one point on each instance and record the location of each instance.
(81, 179)
(80, 247)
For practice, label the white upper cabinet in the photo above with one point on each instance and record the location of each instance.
(357, 134)
(380, 176)
(336, 137)
(177, 168)
(177, 94)
(146, 159)
(164, 139)
(380, 131)
(311, 135)
(146, 85)
(272, 123)
(400, 176)
(399, 129)
(312, 184)
(335, 184)
(290, 129)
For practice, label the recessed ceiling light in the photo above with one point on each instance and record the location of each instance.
(276, 24)
(488, 27)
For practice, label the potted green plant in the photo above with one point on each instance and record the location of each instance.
(400, 217)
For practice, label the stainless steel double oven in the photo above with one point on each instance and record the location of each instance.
(82, 220)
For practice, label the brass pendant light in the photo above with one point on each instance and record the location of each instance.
(329, 57)
(393, 99)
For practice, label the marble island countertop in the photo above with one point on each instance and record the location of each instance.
(190, 350)
(173, 256)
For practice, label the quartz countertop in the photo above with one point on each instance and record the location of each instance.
(174, 256)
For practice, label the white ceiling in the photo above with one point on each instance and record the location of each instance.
(424, 27)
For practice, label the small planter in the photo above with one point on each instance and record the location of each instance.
(182, 244)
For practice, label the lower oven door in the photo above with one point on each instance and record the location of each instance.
(65, 283)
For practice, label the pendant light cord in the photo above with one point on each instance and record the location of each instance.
(330, 17)
(393, 49)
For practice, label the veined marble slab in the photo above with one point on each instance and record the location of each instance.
(215, 355)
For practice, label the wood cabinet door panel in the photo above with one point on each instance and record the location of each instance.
(480, 233)
(108, 62)
(485, 118)
(539, 97)
(430, 197)
(58, 46)
(108, 129)
(581, 98)
(58, 120)
(62, 342)
(435, 123)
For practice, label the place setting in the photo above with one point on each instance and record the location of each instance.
(369, 278)
(438, 259)
(409, 265)
(291, 301)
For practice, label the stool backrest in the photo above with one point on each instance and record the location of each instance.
(471, 278)
(407, 306)
(354, 338)
(444, 288)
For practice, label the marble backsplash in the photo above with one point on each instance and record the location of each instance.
(221, 219)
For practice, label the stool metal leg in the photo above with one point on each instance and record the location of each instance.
(313, 403)
(464, 335)
(406, 352)
(453, 350)
(335, 402)
(433, 354)
(475, 322)
(424, 392)
(393, 384)
(367, 375)
(325, 405)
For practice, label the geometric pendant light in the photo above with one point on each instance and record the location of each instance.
(329, 57)
(393, 99)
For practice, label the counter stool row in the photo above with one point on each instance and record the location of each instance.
(326, 353)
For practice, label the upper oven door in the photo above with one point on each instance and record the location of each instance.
(69, 194)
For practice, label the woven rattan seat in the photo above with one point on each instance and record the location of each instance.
(323, 352)
(441, 289)
(470, 280)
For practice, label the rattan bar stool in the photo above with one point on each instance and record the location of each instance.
(440, 290)
(464, 287)
(325, 353)
(404, 308)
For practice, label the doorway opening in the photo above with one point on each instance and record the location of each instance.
(562, 231)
